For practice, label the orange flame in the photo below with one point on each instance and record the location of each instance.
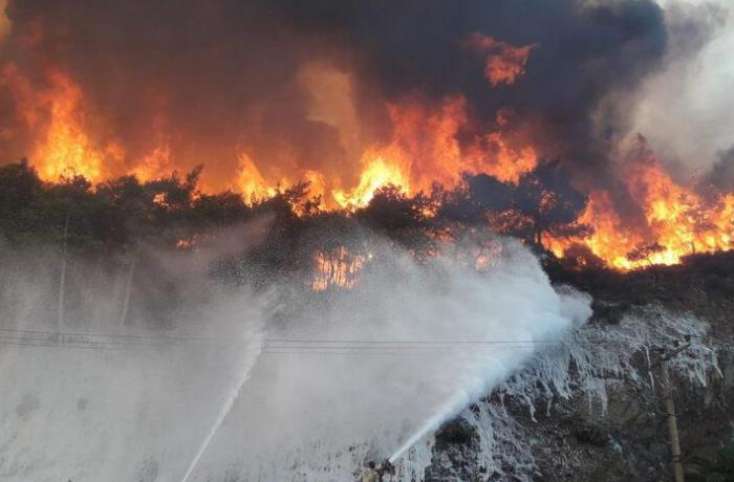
(251, 182)
(424, 149)
(377, 174)
(504, 63)
(678, 222)
(155, 164)
(66, 150)
(430, 142)
(5, 24)
(63, 144)
(337, 268)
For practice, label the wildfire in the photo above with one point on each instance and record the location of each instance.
(251, 182)
(336, 268)
(63, 146)
(377, 174)
(5, 24)
(679, 222)
(504, 63)
(424, 149)
(154, 164)
(64, 143)
(430, 142)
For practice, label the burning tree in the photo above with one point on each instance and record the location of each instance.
(550, 202)
(542, 202)
(400, 218)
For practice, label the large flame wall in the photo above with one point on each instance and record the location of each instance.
(269, 94)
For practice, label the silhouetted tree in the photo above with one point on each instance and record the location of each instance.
(399, 217)
(478, 197)
(546, 197)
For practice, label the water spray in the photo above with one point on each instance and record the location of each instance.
(226, 408)
(454, 404)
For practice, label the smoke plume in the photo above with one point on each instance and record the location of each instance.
(305, 86)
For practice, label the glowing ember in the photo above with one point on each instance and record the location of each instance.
(337, 268)
(504, 63)
(185, 244)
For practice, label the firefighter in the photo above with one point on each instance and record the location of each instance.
(370, 474)
(385, 468)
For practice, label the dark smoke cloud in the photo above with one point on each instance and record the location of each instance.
(224, 73)
(585, 50)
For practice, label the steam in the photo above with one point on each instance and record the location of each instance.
(267, 385)
(91, 398)
(370, 372)
(120, 405)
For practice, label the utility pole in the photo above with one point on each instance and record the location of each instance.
(62, 279)
(669, 404)
(128, 289)
(667, 393)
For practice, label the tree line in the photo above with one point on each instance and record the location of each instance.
(118, 215)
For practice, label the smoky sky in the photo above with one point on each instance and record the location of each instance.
(722, 173)
(219, 74)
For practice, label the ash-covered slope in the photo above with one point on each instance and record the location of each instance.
(592, 410)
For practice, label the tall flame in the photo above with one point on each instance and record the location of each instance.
(64, 149)
(64, 143)
(377, 173)
(251, 182)
(431, 142)
(679, 222)
(504, 63)
(424, 149)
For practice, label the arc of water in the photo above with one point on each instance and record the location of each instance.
(226, 408)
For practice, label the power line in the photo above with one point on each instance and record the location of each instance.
(41, 338)
(411, 342)
(109, 335)
(396, 351)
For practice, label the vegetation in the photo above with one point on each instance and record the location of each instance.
(121, 214)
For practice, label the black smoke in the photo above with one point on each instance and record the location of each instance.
(224, 73)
